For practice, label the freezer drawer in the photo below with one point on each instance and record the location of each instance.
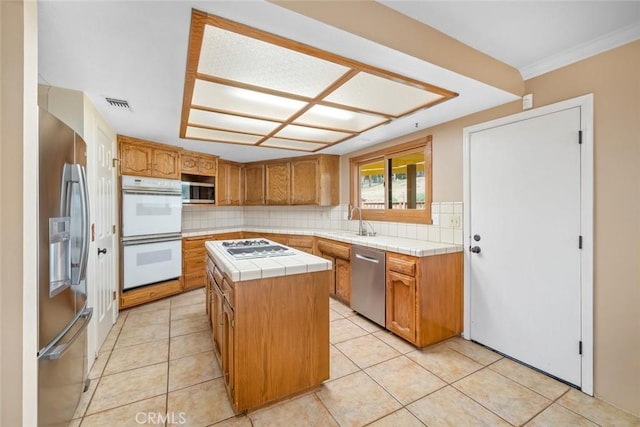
(62, 369)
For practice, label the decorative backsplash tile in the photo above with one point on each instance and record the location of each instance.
(448, 230)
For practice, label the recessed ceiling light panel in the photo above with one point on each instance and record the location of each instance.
(246, 86)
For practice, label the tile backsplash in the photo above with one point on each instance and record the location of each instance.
(448, 229)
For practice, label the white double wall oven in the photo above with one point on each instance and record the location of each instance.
(151, 230)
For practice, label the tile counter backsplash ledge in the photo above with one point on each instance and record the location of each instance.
(414, 247)
(228, 218)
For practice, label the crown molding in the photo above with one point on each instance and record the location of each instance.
(582, 51)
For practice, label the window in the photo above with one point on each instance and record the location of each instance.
(394, 184)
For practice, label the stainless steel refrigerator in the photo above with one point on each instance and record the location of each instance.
(63, 245)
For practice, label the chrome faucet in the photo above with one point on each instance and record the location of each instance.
(362, 225)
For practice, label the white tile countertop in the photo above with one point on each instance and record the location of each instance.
(240, 270)
(414, 247)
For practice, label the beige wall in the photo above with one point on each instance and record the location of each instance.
(613, 79)
(18, 166)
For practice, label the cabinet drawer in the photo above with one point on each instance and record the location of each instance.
(335, 249)
(401, 264)
(300, 242)
(194, 243)
(194, 253)
(193, 280)
(192, 265)
(150, 293)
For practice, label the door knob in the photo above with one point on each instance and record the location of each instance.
(475, 249)
(476, 237)
(102, 251)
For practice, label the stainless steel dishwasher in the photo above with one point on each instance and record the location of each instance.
(368, 295)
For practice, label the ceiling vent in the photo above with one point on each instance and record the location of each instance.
(118, 103)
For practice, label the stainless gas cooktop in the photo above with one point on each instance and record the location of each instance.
(251, 249)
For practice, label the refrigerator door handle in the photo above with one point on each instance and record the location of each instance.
(84, 207)
(56, 350)
(75, 174)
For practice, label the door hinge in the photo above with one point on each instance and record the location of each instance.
(114, 161)
(579, 347)
(579, 137)
(113, 229)
(579, 242)
(114, 295)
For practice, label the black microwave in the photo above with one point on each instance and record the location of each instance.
(198, 192)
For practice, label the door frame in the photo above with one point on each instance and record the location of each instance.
(585, 103)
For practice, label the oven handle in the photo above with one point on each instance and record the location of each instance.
(130, 241)
(152, 192)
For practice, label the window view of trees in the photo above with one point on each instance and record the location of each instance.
(407, 183)
(394, 183)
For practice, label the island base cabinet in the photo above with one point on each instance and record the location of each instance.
(280, 339)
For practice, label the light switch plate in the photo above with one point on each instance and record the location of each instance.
(435, 219)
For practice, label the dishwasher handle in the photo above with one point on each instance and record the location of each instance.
(368, 258)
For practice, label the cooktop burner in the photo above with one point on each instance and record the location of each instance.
(245, 243)
(248, 249)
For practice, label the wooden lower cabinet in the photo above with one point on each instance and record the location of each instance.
(424, 297)
(228, 346)
(343, 279)
(340, 256)
(401, 305)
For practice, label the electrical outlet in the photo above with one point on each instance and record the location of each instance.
(454, 221)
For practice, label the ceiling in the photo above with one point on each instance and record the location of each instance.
(137, 51)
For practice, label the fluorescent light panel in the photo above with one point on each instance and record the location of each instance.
(245, 86)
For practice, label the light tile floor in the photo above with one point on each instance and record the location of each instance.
(157, 367)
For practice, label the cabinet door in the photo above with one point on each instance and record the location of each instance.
(208, 166)
(190, 163)
(277, 183)
(235, 184)
(401, 305)
(217, 320)
(228, 357)
(222, 184)
(332, 281)
(135, 159)
(254, 185)
(304, 182)
(343, 280)
(165, 164)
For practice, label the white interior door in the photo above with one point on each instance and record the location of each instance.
(105, 306)
(524, 214)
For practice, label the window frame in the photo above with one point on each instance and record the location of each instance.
(418, 216)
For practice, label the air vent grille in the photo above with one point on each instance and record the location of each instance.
(118, 103)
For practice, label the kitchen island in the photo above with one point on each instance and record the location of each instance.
(269, 310)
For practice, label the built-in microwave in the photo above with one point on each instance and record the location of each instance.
(198, 192)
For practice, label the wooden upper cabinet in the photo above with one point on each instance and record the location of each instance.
(277, 183)
(199, 164)
(166, 164)
(229, 183)
(254, 184)
(144, 158)
(305, 182)
(135, 159)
